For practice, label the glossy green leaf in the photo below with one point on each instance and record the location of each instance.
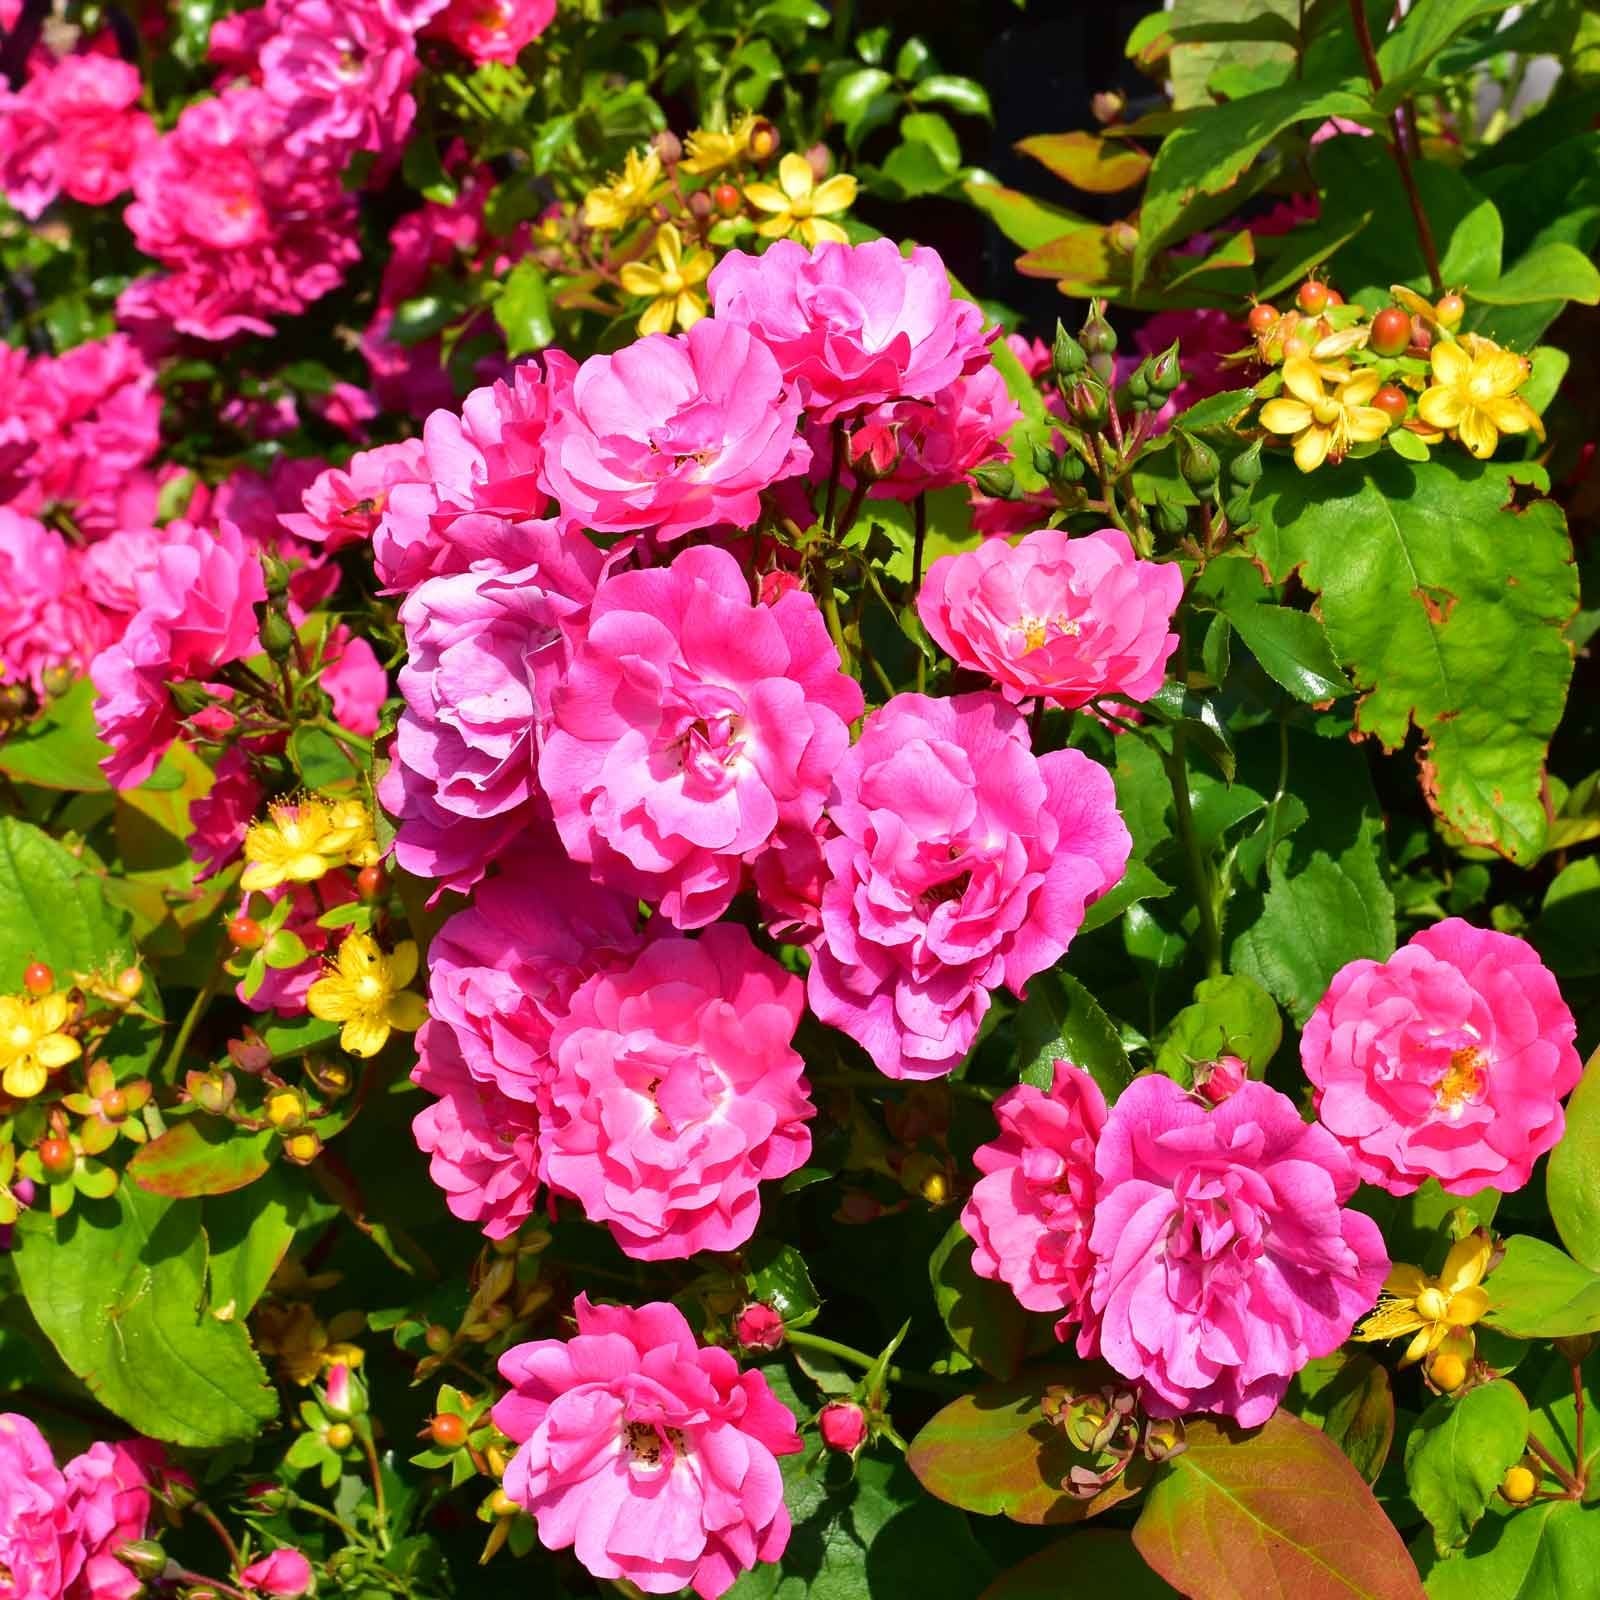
(1572, 1183)
(1088, 161)
(248, 1233)
(982, 1315)
(1231, 1016)
(960, 94)
(53, 909)
(522, 308)
(1457, 1454)
(202, 1155)
(1554, 271)
(1546, 1551)
(1425, 30)
(58, 749)
(1061, 1020)
(1537, 1292)
(1447, 607)
(776, 1274)
(1291, 645)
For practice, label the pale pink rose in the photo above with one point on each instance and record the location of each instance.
(354, 680)
(690, 725)
(843, 1426)
(493, 30)
(1058, 617)
(650, 1456)
(957, 861)
(486, 650)
(674, 434)
(1225, 1257)
(1031, 1212)
(1449, 1060)
(47, 619)
(41, 1546)
(285, 1575)
(853, 325)
(675, 1092)
(344, 505)
(108, 1490)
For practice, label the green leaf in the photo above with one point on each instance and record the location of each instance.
(1276, 1511)
(960, 94)
(776, 1274)
(320, 759)
(1553, 271)
(982, 1315)
(1088, 161)
(1457, 1454)
(1093, 1562)
(930, 129)
(1568, 918)
(60, 748)
(1572, 1183)
(917, 168)
(1231, 1016)
(53, 909)
(1536, 1292)
(120, 1289)
(1535, 1552)
(201, 1155)
(249, 1232)
(1447, 607)
(1061, 1020)
(1349, 1398)
(1291, 645)
(522, 308)
(1424, 31)
(1194, 58)
(1025, 221)
(1137, 883)
(854, 93)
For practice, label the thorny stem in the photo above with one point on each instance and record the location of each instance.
(934, 1384)
(1398, 147)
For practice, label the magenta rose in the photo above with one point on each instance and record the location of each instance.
(691, 724)
(41, 1547)
(1030, 1214)
(284, 1575)
(48, 621)
(1225, 1257)
(1449, 1060)
(853, 325)
(675, 1091)
(493, 30)
(958, 861)
(675, 434)
(344, 505)
(652, 1457)
(108, 1488)
(1062, 618)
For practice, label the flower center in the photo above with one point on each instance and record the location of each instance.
(1432, 1306)
(1327, 412)
(938, 894)
(20, 1037)
(1462, 1079)
(1038, 631)
(369, 989)
(651, 1445)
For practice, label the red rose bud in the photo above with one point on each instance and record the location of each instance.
(758, 1327)
(844, 1426)
(775, 585)
(1215, 1080)
(285, 1575)
(874, 449)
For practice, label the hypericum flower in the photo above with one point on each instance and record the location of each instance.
(303, 839)
(797, 204)
(366, 991)
(709, 151)
(32, 1044)
(1439, 1312)
(671, 288)
(109, 1108)
(1473, 394)
(1325, 425)
(615, 204)
(304, 1346)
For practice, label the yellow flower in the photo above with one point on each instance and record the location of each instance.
(670, 287)
(366, 991)
(304, 1346)
(797, 203)
(1436, 1312)
(32, 1045)
(710, 152)
(303, 839)
(1474, 394)
(633, 190)
(1325, 425)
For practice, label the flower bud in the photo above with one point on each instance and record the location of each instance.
(57, 680)
(1067, 358)
(343, 1394)
(996, 479)
(145, 1556)
(285, 1107)
(1088, 404)
(1198, 464)
(284, 1575)
(269, 1498)
(277, 636)
(668, 146)
(699, 204)
(1068, 469)
(1163, 1438)
(212, 1091)
(1449, 311)
(333, 1079)
(448, 1430)
(502, 1505)
(1165, 372)
(275, 574)
(130, 983)
(1123, 238)
(437, 1338)
(1575, 1347)
(1097, 335)
(1448, 1371)
(775, 585)
(1169, 517)
(302, 1148)
(843, 1425)
(1245, 468)
(340, 1436)
(758, 1327)
(1107, 106)
(1215, 1080)
(251, 1053)
(1139, 386)
(763, 140)
(1519, 1485)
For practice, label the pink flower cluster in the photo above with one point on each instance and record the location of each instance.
(60, 1527)
(1206, 1253)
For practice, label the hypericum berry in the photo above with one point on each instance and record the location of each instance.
(436, 1337)
(130, 983)
(763, 140)
(727, 199)
(1519, 1485)
(371, 882)
(302, 1148)
(286, 1108)
(1448, 1371)
(340, 1436)
(1421, 337)
(1391, 402)
(37, 978)
(1450, 310)
(1296, 345)
(113, 1104)
(1391, 332)
(245, 933)
(1262, 317)
(1313, 297)
(1335, 298)
(57, 1157)
(449, 1431)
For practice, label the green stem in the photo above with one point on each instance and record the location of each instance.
(351, 1535)
(380, 1510)
(352, 741)
(802, 1340)
(830, 611)
(1199, 868)
(203, 998)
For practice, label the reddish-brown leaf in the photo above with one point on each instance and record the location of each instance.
(201, 1156)
(1088, 162)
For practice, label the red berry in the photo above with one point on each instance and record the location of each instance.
(449, 1431)
(114, 1104)
(38, 979)
(1391, 331)
(727, 199)
(245, 933)
(1450, 310)
(1391, 402)
(1313, 297)
(371, 883)
(56, 1157)
(1261, 318)
(1335, 298)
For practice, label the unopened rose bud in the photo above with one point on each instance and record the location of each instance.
(1165, 372)
(283, 1575)
(343, 1393)
(1215, 1081)
(1245, 469)
(1067, 358)
(275, 574)
(843, 1425)
(277, 636)
(1169, 517)
(1088, 403)
(758, 1327)
(145, 1556)
(1198, 464)
(997, 480)
(775, 585)
(1097, 336)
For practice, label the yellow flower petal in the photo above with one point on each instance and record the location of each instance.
(818, 230)
(1311, 448)
(775, 227)
(1498, 373)
(23, 1079)
(1478, 434)
(669, 246)
(330, 1000)
(795, 176)
(364, 1036)
(1405, 1282)
(56, 1050)
(403, 964)
(640, 278)
(1440, 407)
(1302, 380)
(1468, 1305)
(407, 1011)
(1285, 416)
(1466, 1263)
(1511, 414)
(698, 267)
(691, 308)
(837, 194)
(1360, 389)
(1451, 364)
(1366, 423)
(657, 317)
(764, 197)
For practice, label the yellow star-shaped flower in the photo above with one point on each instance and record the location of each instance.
(670, 287)
(628, 193)
(366, 991)
(709, 151)
(1473, 394)
(1325, 425)
(1436, 1312)
(797, 204)
(32, 1044)
(303, 839)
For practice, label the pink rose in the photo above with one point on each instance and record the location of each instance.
(355, 682)
(1059, 617)
(41, 1547)
(852, 325)
(759, 1327)
(285, 1574)
(957, 861)
(345, 504)
(108, 1489)
(1449, 1060)
(652, 1457)
(691, 724)
(1031, 1212)
(47, 620)
(675, 1091)
(220, 817)
(1225, 1258)
(843, 1425)
(493, 30)
(675, 434)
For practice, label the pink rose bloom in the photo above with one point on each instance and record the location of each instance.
(109, 1494)
(340, 74)
(493, 30)
(355, 682)
(649, 1455)
(690, 725)
(944, 439)
(47, 619)
(674, 434)
(957, 861)
(285, 1574)
(1031, 1212)
(1057, 617)
(853, 325)
(1204, 336)
(41, 1547)
(790, 874)
(343, 505)
(675, 1091)
(111, 568)
(196, 613)
(1449, 1060)
(220, 817)
(486, 650)
(1225, 1258)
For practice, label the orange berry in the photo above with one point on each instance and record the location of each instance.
(245, 933)
(727, 199)
(57, 1157)
(1450, 310)
(1313, 297)
(449, 1431)
(37, 978)
(371, 882)
(1261, 318)
(114, 1104)
(1391, 402)
(1391, 331)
